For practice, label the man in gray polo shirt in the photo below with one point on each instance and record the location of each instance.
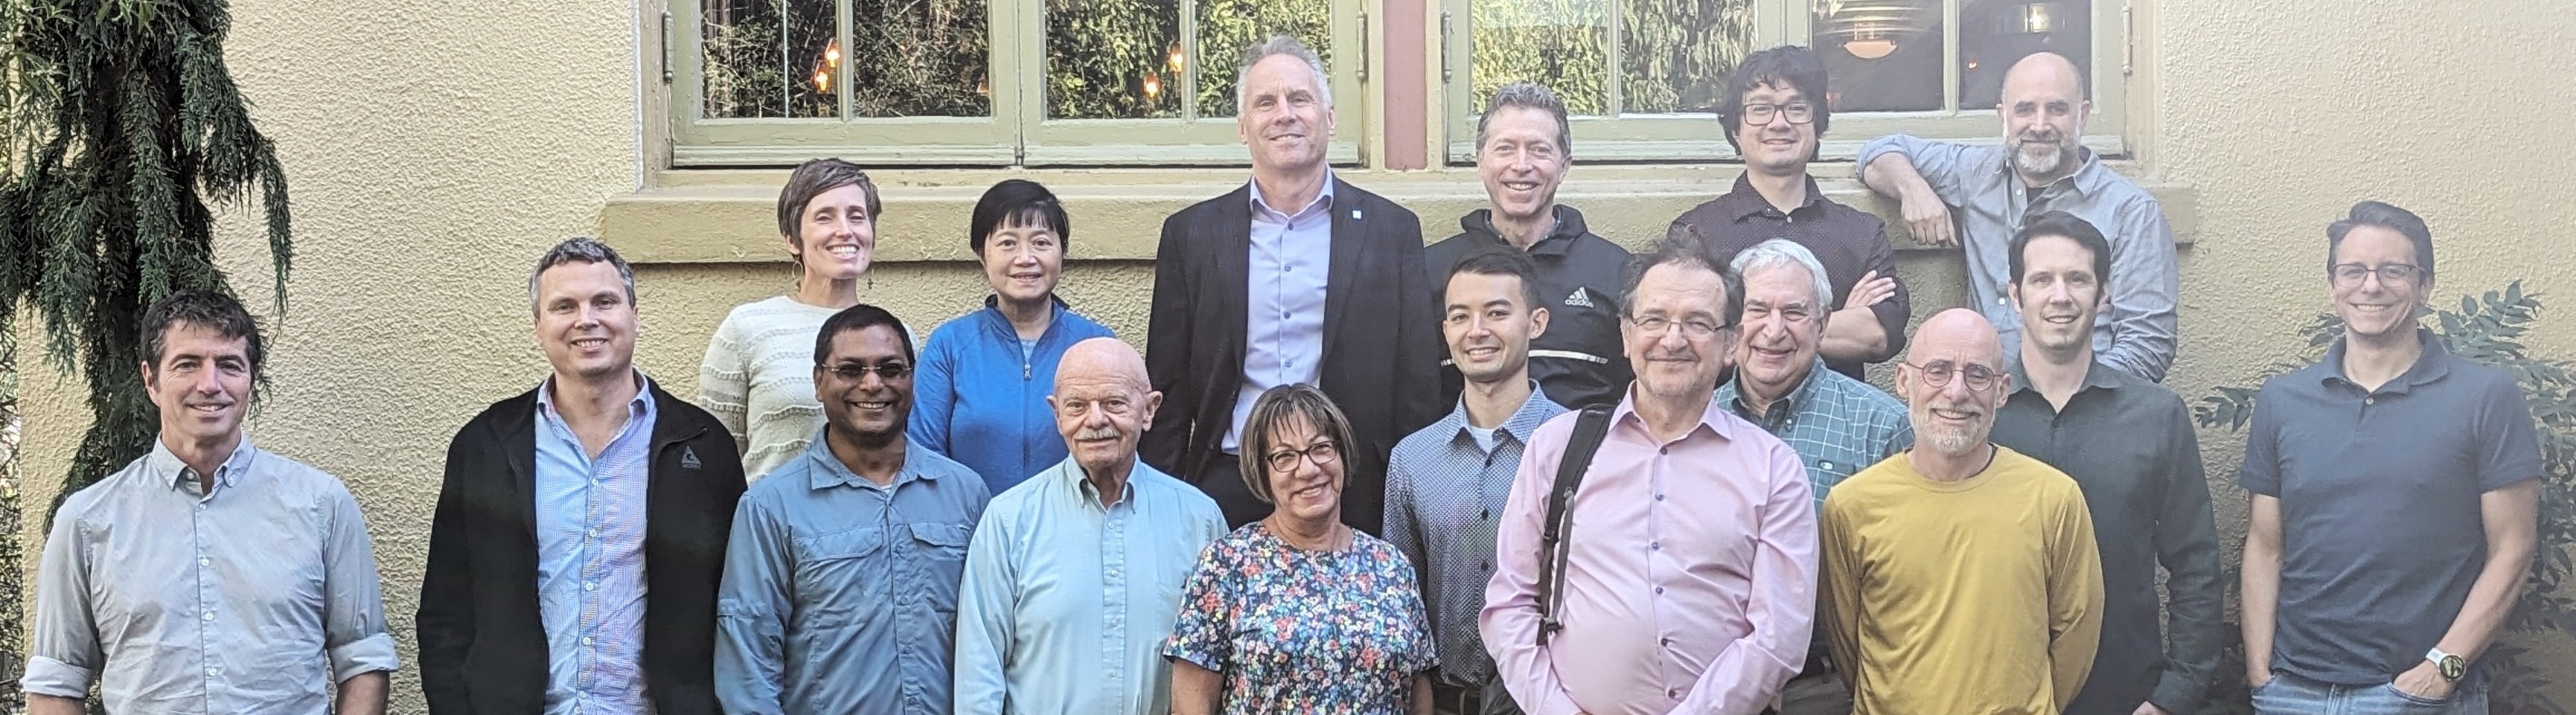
(2129, 445)
(2396, 499)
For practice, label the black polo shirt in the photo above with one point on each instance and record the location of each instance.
(2381, 534)
(1579, 361)
(1847, 241)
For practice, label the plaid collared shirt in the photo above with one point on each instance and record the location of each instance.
(1444, 493)
(1837, 424)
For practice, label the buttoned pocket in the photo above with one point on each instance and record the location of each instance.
(840, 577)
(940, 561)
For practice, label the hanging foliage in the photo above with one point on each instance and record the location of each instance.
(122, 126)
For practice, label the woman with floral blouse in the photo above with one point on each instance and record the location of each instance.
(1298, 613)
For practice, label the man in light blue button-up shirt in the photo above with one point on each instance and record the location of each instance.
(1075, 575)
(840, 580)
(209, 576)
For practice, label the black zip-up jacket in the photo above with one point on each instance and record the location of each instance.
(482, 642)
(1578, 361)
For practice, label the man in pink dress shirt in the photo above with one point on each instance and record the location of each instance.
(1690, 580)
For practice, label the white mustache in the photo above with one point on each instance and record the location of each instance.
(1097, 433)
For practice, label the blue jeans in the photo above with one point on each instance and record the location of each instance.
(2287, 694)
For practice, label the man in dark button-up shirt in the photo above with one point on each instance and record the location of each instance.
(1774, 113)
(2129, 445)
(1523, 149)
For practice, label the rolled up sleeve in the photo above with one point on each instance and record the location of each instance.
(66, 653)
(354, 634)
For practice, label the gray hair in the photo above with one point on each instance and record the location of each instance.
(1283, 45)
(580, 249)
(1779, 252)
(1528, 95)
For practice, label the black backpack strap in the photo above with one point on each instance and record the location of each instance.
(1590, 427)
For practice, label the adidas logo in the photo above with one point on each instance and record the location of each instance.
(688, 457)
(1579, 299)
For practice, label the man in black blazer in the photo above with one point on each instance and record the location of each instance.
(581, 528)
(1297, 277)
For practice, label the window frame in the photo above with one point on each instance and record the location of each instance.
(1017, 133)
(1695, 137)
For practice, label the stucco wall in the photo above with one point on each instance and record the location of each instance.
(434, 148)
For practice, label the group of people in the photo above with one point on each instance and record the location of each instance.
(1353, 474)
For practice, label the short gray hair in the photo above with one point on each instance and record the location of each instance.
(1528, 95)
(1283, 45)
(580, 249)
(1779, 252)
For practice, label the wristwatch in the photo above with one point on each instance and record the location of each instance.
(2453, 667)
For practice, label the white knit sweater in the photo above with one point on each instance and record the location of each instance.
(758, 378)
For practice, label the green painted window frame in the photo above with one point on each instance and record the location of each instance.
(1017, 133)
(1695, 137)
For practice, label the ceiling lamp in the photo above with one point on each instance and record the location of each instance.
(1872, 29)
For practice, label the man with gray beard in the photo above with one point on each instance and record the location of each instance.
(2043, 166)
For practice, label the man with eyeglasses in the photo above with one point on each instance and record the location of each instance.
(841, 579)
(2129, 444)
(2041, 166)
(2395, 499)
(1686, 583)
(1838, 424)
(1960, 576)
(1774, 113)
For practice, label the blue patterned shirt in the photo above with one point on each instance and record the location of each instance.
(1443, 493)
(1838, 425)
(840, 595)
(590, 559)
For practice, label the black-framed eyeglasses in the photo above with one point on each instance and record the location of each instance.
(2394, 275)
(1285, 458)
(1758, 114)
(1658, 325)
(1937, 374)
(854, 371)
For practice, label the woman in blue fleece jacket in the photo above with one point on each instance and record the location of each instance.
(979, 395)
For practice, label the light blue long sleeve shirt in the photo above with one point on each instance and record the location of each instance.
(1291, 262)
(590, 558)
(839, 595)
(1066, 603)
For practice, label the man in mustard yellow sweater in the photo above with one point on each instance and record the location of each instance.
(1960, 576)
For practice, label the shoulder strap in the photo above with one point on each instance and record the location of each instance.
(1590, 428)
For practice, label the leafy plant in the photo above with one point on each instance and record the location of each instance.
(2486, 329)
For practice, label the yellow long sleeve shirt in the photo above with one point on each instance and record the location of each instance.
(1979, 596)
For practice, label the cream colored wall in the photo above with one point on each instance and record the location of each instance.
(435, 148)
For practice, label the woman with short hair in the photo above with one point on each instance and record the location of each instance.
(1298, 612)
(758, 374)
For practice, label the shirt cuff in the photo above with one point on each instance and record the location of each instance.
(363, 656)
(2176, 694)
(47, 676)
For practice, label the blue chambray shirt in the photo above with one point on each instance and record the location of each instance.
(590, 558)
(256, 596)
(1066, 603)
(1292, 255)
(1444, 493)
(839, 595)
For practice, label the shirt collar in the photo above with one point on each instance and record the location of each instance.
(2090, 178)
(1479, 226)
(2432, 365)
(1088, 495)
(1744, 202)
(176, 475)
(2096, 375)
(1323, 198)
(643, 395)
(827, 471)
(1731, 395)
(1532, 413)
(1713, 416)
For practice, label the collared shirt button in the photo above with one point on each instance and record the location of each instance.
(2366, 401)
(1659, 497)
(1659, 590)
(2000, 300)
(208, 616)
(1655, 545)
(201, 561)
(591, 586)
(1664, 450)
(214, 671)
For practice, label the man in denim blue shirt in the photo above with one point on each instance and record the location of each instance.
(840, 580)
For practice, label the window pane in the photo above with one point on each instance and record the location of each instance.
(1882, 55)
(1563, 44)
(1113, 59)
(1676, 54)
(1994, 34)
(919, 58)
(1228, 27)
(761, 58)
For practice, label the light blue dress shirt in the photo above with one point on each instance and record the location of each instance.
(1292, 256)
(839, 595)
(590, 559)
(1066, 603)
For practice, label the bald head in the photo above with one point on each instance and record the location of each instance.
(1955, 334)
(2044, 71)
(1103, 401)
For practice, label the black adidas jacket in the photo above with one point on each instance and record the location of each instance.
(1579, 361)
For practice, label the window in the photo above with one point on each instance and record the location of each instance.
(1642, 76)
(985, 82)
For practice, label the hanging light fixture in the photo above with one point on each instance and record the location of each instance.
(1872, 29)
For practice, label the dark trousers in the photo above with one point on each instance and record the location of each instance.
(1487, 699)
(1223, 482)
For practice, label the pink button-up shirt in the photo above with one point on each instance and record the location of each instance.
(1691, 582)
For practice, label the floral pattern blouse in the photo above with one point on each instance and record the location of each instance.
(1297, 631)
